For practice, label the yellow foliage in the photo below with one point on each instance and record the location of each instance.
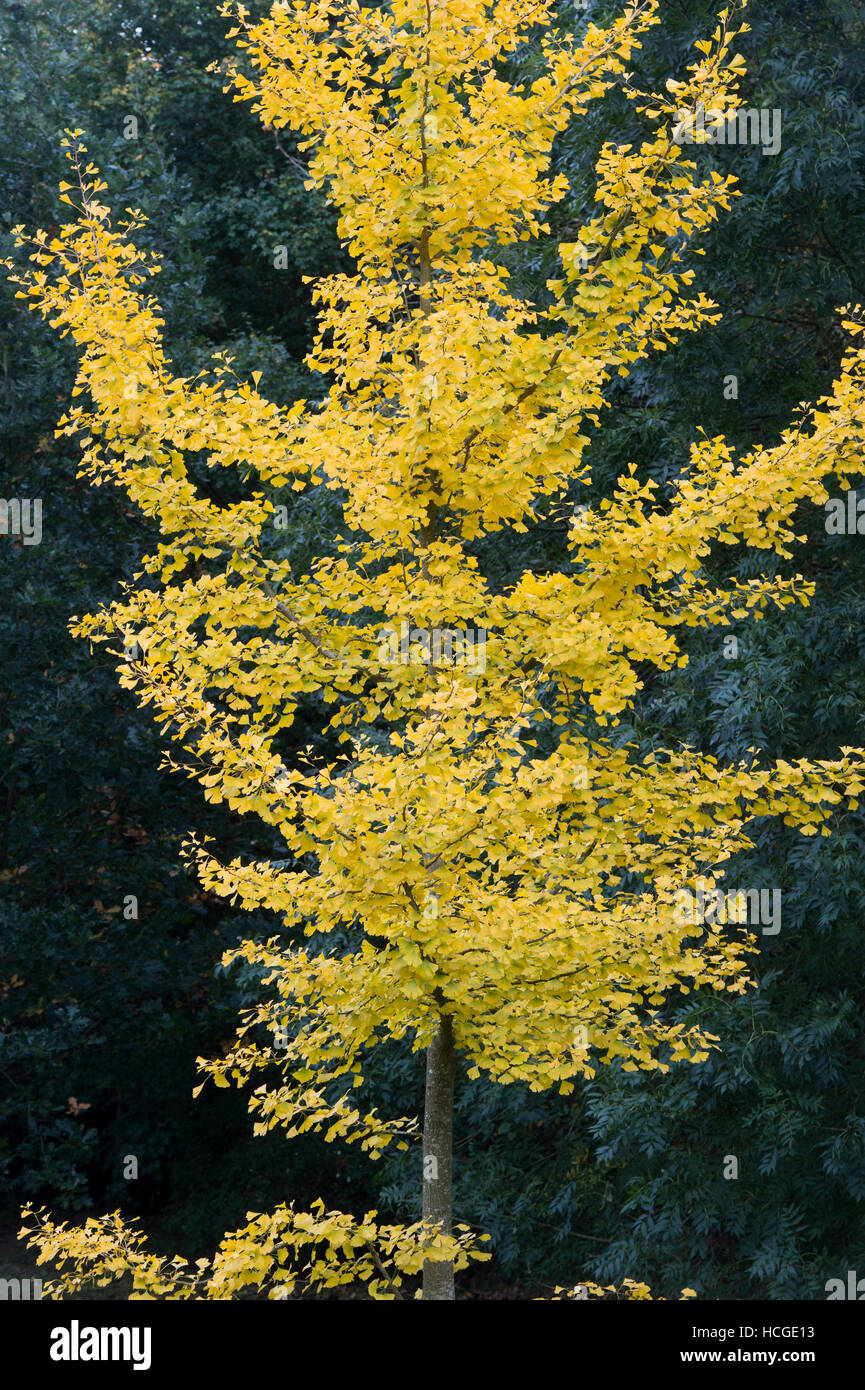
(276, 1253)
(455, 409)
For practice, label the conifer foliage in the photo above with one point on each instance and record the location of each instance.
(482, 865)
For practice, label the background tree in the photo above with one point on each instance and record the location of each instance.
(670, 1180)
(96, 1003)
(785, 1095)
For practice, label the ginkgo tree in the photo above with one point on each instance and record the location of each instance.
(486, 869)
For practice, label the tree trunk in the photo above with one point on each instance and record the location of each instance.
(438, 1126)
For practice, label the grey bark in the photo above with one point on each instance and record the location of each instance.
(438, 1124)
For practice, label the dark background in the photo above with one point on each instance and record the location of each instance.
(101, 1018)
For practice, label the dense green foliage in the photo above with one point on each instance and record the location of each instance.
(626, 1176)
